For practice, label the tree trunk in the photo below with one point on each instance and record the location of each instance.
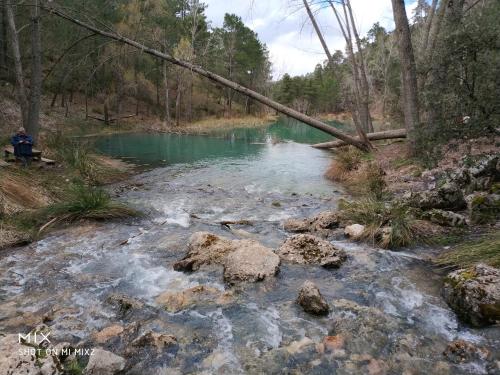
(3, 39)
(365, 88)
(360, 113)
(428, 25)
(18, 67)
(167, 98)
(408, 72)
(360, 128)
(106, 114)
(218, 79)
(33, 127)
(318, 31)
(388, 134)
(178, 103)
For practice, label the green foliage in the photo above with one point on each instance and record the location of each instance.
(76, 153)
(481, 250)
(389, 225)
(73, 367)
(317, 92)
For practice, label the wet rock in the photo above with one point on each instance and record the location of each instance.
(204, 248)
(460, 351)
(159, 341)
(308, 249)
(198, 295)
(17, 360)
(298, 346)
(364, 328)
(12, 238)
(296, 225)
(124, 303)
(474, 294)
(445, 218)
(251, 262)
(354, 231)
(311, 299)
(486, 166)
(448, 196)
(102, 362)
(332, 344)
(108, 333)
(323, 224)
(483, 207)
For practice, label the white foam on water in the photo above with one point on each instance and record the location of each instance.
(270, 318)
(174, 212)
(223, 330)
(152, 280)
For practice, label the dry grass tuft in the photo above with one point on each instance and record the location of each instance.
(347, 160)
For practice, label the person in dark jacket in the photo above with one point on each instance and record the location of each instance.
(23, 146)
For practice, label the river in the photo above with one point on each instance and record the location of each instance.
(386, 305)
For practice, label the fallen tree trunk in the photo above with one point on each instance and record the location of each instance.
(389, 134)
(217, 78)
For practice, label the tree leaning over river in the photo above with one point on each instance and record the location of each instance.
(216, 78)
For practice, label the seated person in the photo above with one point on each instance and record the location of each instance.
(23, 146)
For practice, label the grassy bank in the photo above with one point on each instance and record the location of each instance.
(40, 197)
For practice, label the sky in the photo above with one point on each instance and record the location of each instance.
(285, 28)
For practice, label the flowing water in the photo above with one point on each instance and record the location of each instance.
(386, 306)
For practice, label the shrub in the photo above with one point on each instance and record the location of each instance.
(389, 225)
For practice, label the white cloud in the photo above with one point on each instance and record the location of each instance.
(284, 26)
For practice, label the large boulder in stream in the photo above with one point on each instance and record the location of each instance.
(474, 294)
(250, 262)
(311, 300)
(204, 248)
(308, 249)
(243, 260)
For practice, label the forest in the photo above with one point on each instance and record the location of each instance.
(173, 201)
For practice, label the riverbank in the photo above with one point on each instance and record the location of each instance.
(450, 201)
(41, 196)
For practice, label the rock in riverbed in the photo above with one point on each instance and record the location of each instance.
(16, 361)
(323, 224)
(159, 341)
(307, 249)
(243, 260)
(204, 248)
(474, 294)
(354, 231)
(198, 295)
(311, 299)
(460, 351)
(102, 362)
(250, 262)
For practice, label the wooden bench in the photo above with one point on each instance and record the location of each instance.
(9, 151)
